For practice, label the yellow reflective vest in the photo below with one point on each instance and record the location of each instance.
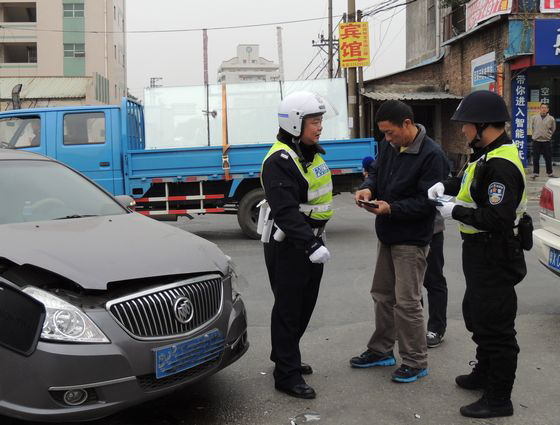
(464, 198)
(319, 180)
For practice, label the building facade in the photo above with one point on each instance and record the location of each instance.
(508, 46)
(248, 67)
(66, 39)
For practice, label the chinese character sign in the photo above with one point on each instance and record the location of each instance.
(480, 10)
(550, 6)
(354, 44)
(547, 41)
(519, 93)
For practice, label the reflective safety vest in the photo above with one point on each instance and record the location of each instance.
(508, 152)
(319, 180)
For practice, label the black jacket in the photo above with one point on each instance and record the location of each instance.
(402, 179)
(500, 217)
(285, 188)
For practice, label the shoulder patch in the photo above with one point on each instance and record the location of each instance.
(284, 155)
(496, 193)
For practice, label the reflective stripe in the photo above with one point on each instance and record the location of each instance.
(315, 208)
(314, 194)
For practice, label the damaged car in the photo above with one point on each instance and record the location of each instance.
(134, 308)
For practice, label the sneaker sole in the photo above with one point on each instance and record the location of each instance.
(387, 362)
(421, 374)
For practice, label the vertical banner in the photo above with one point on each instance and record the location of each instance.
(519, 92)
(354, 44)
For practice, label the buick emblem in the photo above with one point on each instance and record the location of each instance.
(183, 309)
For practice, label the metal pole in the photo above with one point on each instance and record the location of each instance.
(280, 53)
(352, 87)
(361, 109)
(205, 51)
(330, 40)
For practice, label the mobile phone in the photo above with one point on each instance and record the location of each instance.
(370, 204)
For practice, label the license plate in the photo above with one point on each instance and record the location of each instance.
(554, 259)
(184, 355)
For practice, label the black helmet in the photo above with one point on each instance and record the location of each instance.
(482, 106)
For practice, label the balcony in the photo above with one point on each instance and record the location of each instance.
(18, 22)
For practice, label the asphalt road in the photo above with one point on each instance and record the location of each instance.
(340, 328)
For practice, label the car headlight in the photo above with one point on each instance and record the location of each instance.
(65, 322)
(238, 282)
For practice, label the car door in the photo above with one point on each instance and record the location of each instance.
(84, 142)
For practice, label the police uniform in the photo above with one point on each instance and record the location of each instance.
(298, 188)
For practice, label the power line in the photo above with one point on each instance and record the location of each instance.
(177, 29)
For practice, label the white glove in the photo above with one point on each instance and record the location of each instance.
(446, 209)
(436, 190)
(320, 255)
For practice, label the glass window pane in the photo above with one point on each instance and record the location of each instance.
(21, 132)
(78, 6)
(67, 6)
(79, 14)
(83, 129)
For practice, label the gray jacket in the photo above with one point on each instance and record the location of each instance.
(543, 128)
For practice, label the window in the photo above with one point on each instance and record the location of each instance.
(74, 50)
(84, 129)
(115, 50)
(73, 10)
(20, 132)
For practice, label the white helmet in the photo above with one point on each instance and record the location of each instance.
(295, 107)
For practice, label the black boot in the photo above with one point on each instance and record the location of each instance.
(487, 408)
(476, 380)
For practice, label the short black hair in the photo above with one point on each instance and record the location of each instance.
(395, 112)
(545, 104)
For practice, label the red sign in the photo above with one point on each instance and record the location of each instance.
(480, 10)
(550, 6)
(354, 44)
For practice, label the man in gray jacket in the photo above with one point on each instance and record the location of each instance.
(542, 127)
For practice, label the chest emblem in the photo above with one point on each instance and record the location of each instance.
(496, 193)
(320, 170)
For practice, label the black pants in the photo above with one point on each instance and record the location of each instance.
(544, 148)
(436, 285)
(295, 283)
(490, 308)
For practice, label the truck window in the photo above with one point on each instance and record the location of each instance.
(84, 128)
(20, 132)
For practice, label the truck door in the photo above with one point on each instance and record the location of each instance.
(84, 142)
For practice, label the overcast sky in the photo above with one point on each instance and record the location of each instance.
(177, 57)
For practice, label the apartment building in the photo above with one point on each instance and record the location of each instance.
(248, 67)
(82, 41)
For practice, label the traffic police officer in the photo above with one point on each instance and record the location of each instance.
(298, 188)
(490, 201)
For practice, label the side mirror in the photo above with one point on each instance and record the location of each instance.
(126, 201)
(21, 319)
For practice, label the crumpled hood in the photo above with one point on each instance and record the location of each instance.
(94, 251)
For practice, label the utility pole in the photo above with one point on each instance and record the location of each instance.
(330, 41)
(352, 88)
(280, 53)
(361, 109)
(206, 88)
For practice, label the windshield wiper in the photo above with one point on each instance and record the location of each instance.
(75, 216)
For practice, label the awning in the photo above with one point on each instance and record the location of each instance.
(381, 96)
(45, 87)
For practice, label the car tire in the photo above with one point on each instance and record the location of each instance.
(248, 213)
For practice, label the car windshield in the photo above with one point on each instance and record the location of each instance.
(33, 190)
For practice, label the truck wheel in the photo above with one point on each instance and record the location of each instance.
(248, 213)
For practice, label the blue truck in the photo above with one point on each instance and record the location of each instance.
(107, 144)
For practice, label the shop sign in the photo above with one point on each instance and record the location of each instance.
(354, 44)
(547, 41)
(550, 6)
(480, 10)
(519, 91)
(483, 72)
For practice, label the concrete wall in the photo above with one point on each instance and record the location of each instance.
(420, 31)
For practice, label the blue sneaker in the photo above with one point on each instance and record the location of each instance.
(408, 374)
(369, 359)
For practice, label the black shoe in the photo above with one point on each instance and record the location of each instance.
(485, 408)
(298, 390)
(370, 359)
(433, 339)
(408, 374)
(476, 380)
(305, 369)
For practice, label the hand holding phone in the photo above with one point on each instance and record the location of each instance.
(371, 204)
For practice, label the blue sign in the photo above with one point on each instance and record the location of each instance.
(484, 74)
(547, 42)
(520, 96)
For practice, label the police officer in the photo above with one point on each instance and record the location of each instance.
(490, 200)
(298, 188)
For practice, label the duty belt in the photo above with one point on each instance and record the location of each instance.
(485, 236)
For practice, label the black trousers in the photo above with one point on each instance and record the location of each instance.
(295, 283)
(544, 148)
(436, 285)
(490, 308)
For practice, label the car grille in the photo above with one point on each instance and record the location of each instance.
(151, 314)
(149, 382)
